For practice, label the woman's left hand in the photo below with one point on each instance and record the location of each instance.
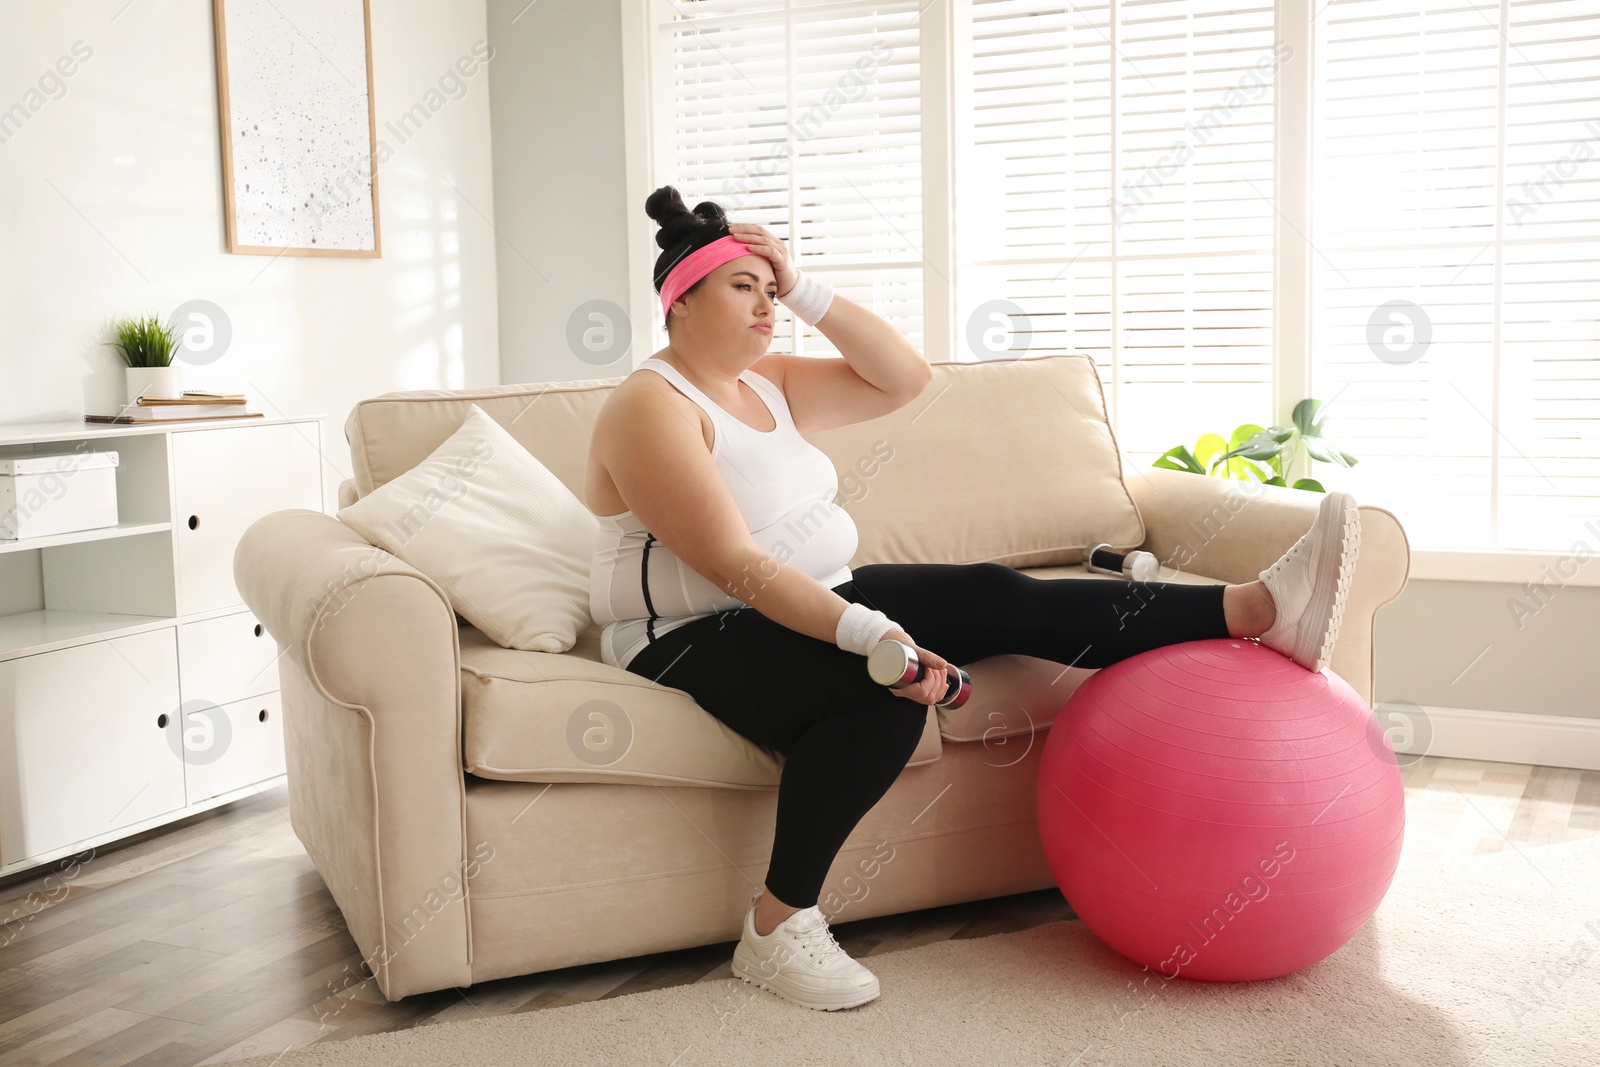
(762, 241)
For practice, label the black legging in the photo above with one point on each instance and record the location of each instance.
(844, 737)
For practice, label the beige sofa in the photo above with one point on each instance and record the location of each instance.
(479, 812)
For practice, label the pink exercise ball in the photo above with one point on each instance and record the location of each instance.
(1213, 810)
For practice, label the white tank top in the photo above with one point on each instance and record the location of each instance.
(784, 487)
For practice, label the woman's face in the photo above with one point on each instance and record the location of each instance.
(731, 305)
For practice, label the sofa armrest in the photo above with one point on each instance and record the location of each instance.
(372, 737)
(1233, 530)
(301, 571)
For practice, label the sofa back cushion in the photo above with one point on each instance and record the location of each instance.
(1012, 461)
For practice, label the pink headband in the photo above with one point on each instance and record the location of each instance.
(697, 265)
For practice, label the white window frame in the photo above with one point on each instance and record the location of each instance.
(646, 105)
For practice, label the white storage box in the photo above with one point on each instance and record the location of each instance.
(61, 493)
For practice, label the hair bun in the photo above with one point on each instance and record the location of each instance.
(676, 221)
(712, 212)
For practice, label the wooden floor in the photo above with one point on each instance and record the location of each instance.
(215, 939)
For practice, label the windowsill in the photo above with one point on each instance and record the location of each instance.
(1515, 566)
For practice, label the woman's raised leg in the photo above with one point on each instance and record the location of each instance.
(970, 611)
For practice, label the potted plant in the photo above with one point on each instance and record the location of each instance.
(147, 346)
(1280, 446)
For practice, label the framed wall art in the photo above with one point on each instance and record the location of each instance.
(299, 144)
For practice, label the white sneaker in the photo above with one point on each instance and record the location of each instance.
(1310, 581)
(801, 962)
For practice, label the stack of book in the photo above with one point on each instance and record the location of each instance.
(192, 404)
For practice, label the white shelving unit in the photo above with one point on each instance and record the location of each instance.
(135, 686)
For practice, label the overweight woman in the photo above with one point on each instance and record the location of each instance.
(721, 568)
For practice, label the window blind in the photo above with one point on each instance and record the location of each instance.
(805, 118)
(1114, 184)
(1113, 180)
(1113, 194)
(1456, 280)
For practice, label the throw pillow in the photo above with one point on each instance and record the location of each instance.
(504, 537)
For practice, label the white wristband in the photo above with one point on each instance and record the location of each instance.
(809, 299)
(861, 628)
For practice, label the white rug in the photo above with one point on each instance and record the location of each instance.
(1489, 961)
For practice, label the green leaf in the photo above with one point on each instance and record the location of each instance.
(1345, 458)
(1239, 468)
(1263, 445)
(1244, 432)
(1179, 458)
(1319, 450)
(1246, 470)
(145, 342)
(1246, 441)
(1328, 452)
(1208, 448)
(1304, 416)
(1264, 454)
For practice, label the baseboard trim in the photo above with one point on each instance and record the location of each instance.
(1498, 736)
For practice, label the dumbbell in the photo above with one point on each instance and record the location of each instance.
(1137, 566)
(895, 664)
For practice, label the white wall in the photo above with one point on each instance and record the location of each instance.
(111, 204)
(1460, 645)
(560, 198)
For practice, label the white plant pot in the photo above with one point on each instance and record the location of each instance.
(163, 383)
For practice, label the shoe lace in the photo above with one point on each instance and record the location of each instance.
(816, 937)
(1288, 558)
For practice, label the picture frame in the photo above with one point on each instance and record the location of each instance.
(298, 126)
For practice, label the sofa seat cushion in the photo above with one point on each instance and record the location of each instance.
(570, 717)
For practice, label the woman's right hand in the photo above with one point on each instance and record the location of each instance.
(935, 678)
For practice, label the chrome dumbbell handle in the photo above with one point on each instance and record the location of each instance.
(895, 664)
(1137, 566)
